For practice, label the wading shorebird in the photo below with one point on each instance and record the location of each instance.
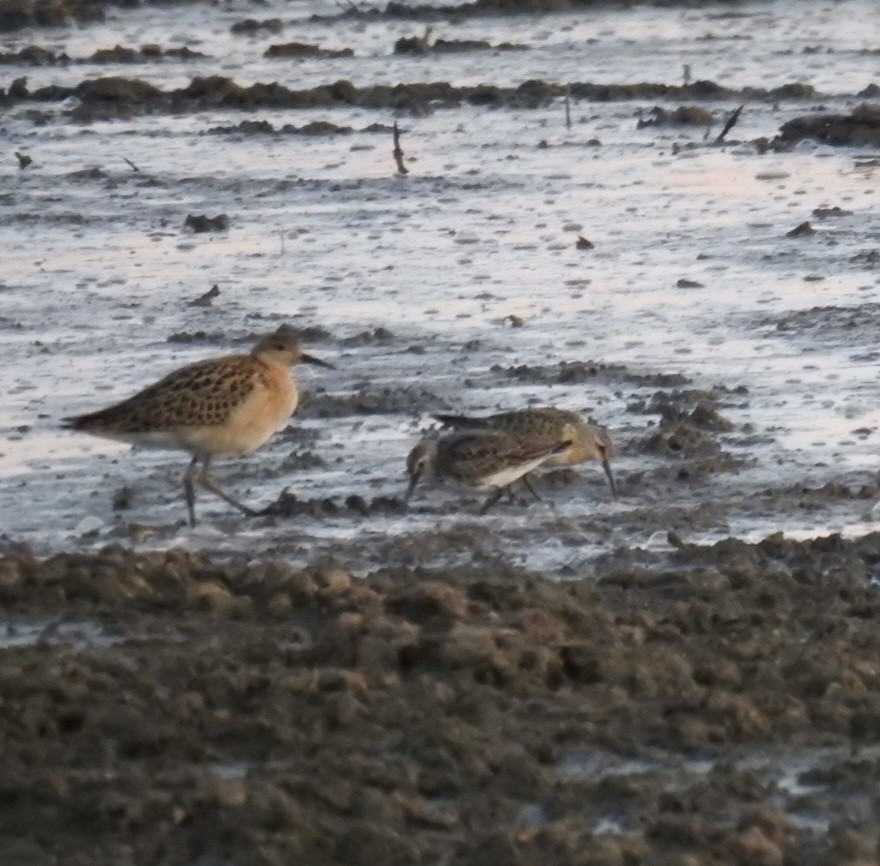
(212, 408)
(482, 460)
(548, 426)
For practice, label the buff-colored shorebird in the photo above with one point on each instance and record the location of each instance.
(482, 460)
(212, 408)
(548, 426)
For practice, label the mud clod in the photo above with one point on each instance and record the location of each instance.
(289, 505)
(829, 212)
(861, 128)
(252, 26)
(684, 115)
(681, 438)
(33, 55)
(18, 14)
(314, 128)
(419, 45)
(301, 49)
(804, 230)
(145, 53)
(200, 223)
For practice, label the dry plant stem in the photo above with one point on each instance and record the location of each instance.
(398, 153)
(731, 122)
(567, 108)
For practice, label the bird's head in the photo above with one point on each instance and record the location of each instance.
(282, 349)
(419, 463)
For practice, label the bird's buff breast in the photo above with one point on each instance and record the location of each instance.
(576, 453)
(264, 412)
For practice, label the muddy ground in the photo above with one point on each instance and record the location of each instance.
(353, 680)
(708, 705)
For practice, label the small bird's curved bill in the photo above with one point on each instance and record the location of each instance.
(311, 359)
(413, 481)
(607, 467)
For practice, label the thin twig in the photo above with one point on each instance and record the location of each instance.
(130, 163)
(206, 299)
(425, 39)
(567, 107)
(731, 122)
(398, 153)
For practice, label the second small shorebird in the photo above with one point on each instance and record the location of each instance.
(548, 426)
(212, 408)
(482, 460)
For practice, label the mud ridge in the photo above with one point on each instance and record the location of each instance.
(113, 96)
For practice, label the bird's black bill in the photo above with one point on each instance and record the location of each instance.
(607, 467)
(413, 481)
(311, 359)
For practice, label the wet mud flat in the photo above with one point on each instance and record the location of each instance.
(706, 705)
(349, 679)
(578, 226)
(302, 219)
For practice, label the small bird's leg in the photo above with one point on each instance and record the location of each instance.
(496, 495)
(209, 484)
(189, 490)
(532, 490)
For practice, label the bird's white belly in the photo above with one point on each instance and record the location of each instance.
(507, 476)
(151, 439)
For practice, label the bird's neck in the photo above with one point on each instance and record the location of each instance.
(273, 363)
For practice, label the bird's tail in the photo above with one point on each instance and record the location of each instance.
(91, 421)
(461, 421)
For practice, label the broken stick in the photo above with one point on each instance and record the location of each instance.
(731, 122)
(398, 153)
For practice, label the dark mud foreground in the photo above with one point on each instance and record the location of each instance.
(709, 705)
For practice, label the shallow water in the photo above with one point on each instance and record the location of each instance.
(76, 635)
(98, 273)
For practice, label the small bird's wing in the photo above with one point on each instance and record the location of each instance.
(534, 450)
(546, 424)
(525, 424)
(200, 394)
(480, 453)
